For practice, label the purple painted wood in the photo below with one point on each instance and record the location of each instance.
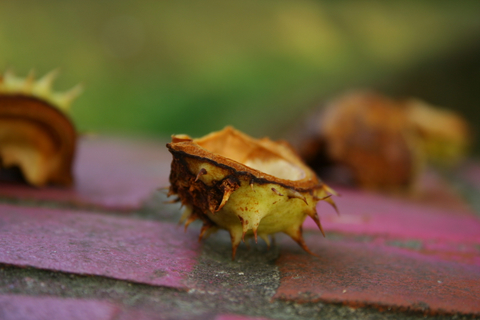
(373, 214)
(365, 274)
(112, 174)
(449, 234)
(16, 307)
(390, 253)
(141, 251)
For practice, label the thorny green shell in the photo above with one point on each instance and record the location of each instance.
(249, 187)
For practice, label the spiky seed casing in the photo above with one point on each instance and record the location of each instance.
(35, 133)
(249, 187)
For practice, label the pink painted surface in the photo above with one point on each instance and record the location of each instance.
(15, 307)
(450, 235)
(361, 274)
(391, 253)
(110, 174)
(373, 214)
(237, 317)
(141, 251)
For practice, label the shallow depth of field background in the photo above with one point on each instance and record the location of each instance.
(155, 68)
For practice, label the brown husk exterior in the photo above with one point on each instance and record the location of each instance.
(196, 193)
(190, 147)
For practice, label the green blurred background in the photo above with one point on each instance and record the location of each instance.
(156, 68)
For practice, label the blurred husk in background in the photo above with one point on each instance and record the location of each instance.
(375, 142)
(162, 67)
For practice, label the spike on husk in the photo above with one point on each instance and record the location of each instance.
(35, 133)
(250, 187)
